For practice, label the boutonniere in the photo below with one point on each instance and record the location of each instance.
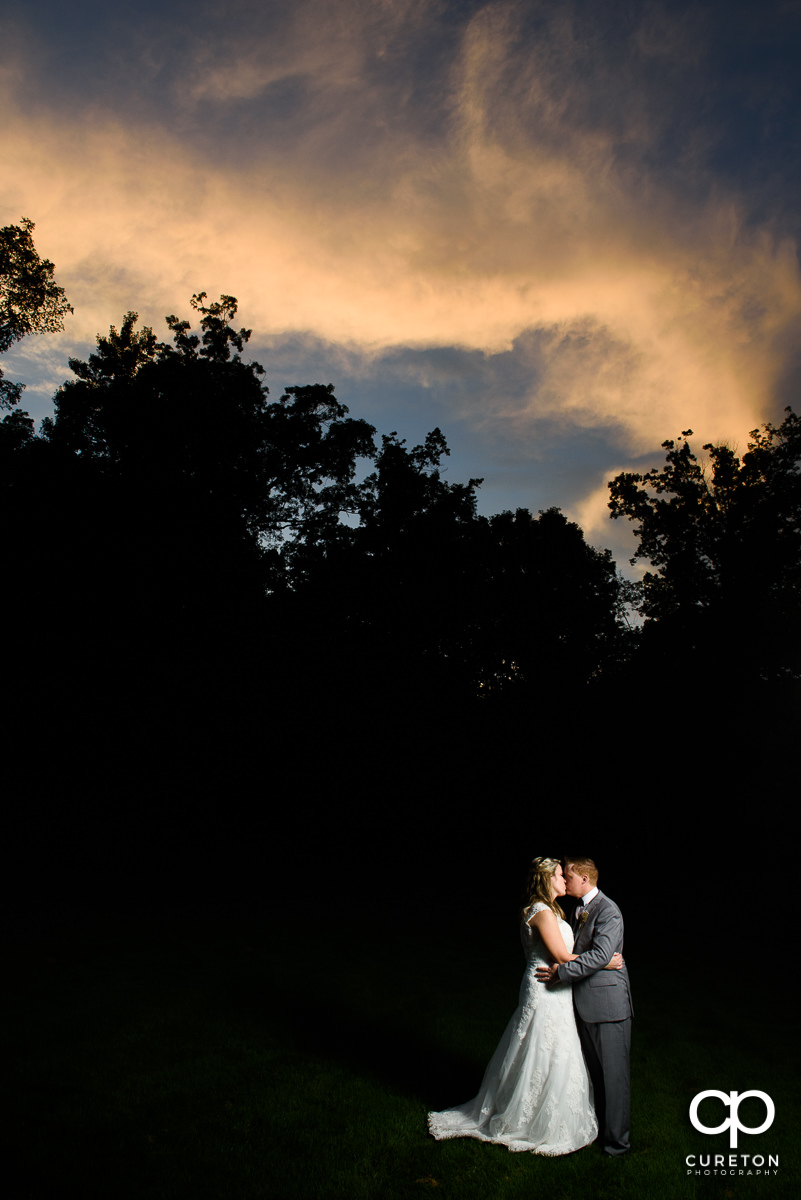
(583, 916)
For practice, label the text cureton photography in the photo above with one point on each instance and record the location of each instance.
(732, 1164)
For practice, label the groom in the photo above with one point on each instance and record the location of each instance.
(602, 1000)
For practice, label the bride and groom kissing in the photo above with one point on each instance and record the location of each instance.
(559, 1078)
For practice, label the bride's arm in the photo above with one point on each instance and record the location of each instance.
(548, 930)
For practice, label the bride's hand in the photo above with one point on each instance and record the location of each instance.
(615, 962)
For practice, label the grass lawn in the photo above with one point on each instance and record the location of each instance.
(233, 1059)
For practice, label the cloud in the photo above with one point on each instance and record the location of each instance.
(523, 195)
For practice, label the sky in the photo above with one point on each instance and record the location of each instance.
(560, 230)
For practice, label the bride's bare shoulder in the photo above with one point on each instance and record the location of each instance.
(540, 915)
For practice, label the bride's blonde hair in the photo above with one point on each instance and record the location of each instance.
(538, 885)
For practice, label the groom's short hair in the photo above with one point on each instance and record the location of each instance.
(584, 866)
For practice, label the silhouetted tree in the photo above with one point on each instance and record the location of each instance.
(438, 606)
(154, 515)
(390, 583)
(209, 480)
(30, 302)
(30, 299)
(553, 603)
(194, 555)
(417, 542)
(725, 542)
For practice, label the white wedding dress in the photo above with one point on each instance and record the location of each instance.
(536, 1094)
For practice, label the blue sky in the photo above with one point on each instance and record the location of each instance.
(561, 231)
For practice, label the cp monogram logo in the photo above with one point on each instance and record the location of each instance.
(733, 1100)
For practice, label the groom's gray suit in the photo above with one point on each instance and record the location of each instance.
(602, 1001)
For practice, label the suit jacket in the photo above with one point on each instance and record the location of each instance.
(598, 995)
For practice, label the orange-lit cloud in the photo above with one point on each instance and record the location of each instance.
(321, 197)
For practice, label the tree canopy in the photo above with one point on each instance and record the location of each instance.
(724, 538)
(199, 472)
(187, 535)
(30, 299)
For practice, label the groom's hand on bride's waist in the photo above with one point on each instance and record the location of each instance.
(546, 974)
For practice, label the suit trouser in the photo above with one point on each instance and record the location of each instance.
(606, 1046)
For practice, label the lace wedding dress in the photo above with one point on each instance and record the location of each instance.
(536, 1094)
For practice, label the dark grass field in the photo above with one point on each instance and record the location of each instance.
(268, 1007)
(296, 1055)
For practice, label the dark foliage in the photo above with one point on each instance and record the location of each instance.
(209, 471)
(30, 299)
(202, 574)
(725, 542)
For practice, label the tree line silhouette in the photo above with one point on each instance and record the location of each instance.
(187, 553)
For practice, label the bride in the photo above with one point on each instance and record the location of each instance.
(536, 1094)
